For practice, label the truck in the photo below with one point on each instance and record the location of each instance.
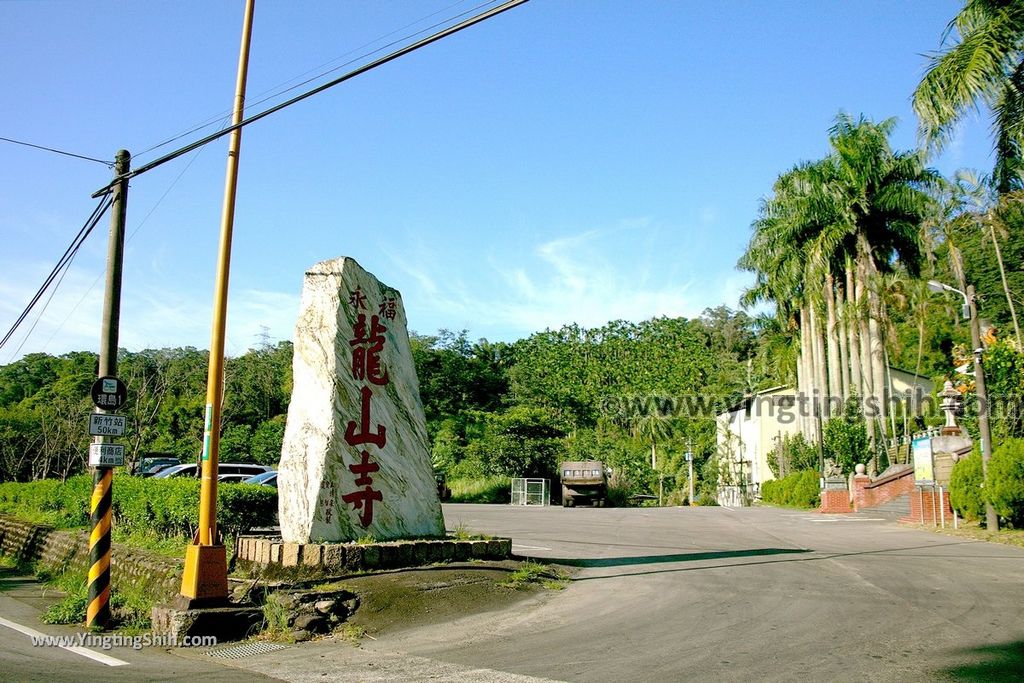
(583, 481)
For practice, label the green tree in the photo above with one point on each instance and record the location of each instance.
(982, 63)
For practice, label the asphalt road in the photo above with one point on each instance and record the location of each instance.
(676, 594)
(679, 594)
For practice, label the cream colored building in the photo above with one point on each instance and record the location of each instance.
(749, 430)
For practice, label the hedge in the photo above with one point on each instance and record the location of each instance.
(799, 489)
(167, 507)
(1004, 481)
(965, 487)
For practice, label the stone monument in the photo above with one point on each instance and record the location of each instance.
(355, 460)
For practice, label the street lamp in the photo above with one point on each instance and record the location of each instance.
(939, 288)
(970, 310)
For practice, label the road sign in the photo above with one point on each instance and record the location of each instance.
(109, 393)
(106, 455)
(101, 424)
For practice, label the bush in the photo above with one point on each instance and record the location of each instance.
(845, 440)
(495, 489)
(167, 507)
(792, 454)
(1004, 481)
(966, 494)
(800, 489)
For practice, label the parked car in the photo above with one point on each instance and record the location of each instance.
(265, 479)
(147, 467)
(233, 478)
(189, 469)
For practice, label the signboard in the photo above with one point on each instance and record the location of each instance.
(106, 455)
(101, 424)
(109, 393)
(924, 466)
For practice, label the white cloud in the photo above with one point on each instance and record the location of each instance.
(588, 278)
(151, 317)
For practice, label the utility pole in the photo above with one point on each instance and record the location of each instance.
(689, 461)
(205, 577)
(991, 518)
(98, 606)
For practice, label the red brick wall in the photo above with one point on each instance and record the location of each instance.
(833, 502)
(928, 505)
(866, 495)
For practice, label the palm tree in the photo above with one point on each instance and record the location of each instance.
(984, 63)
(828, 233)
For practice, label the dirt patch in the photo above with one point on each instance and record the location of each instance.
(394, 601)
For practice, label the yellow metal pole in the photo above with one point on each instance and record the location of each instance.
(205, 575)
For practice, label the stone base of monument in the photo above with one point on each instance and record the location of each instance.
(225, 622)
(358, 557)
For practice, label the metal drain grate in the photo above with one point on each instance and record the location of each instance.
(245, 650)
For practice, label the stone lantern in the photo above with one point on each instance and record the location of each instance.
(952, 405)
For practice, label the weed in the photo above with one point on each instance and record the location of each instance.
(463, 533)
(352, 633)
(70, 610)
(275, 622)
(531, 572)
(366, 540)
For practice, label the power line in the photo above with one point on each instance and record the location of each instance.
(275, 91)
(109, 164)
(315, 91)
(99, 277)
(64, 261)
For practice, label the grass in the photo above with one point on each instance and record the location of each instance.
(486, 490)
(168, 546)
(351, 633)
(275, 623)
(530, 573)
(975, 531)
(130, 607)
(462, 533)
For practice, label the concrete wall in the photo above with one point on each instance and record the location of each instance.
(57, 550)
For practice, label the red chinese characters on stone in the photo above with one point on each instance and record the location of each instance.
(366, 366)
(367, 350)
(363, 499)
(364, 435)
(389, 308)
(357, 299)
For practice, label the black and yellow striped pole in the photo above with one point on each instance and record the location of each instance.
(98, 610)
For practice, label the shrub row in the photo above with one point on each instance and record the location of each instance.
(799, 489)
(1003, 486)
(167, 507)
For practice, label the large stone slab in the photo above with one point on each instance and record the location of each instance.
(355, 460)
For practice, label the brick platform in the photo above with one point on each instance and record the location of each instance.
(353, 557)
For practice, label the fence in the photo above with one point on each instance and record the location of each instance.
(531, 492)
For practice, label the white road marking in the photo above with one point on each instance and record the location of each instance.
(844, 519)
(530, 547)
(32, 633)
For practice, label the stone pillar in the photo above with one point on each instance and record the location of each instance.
(355, 460)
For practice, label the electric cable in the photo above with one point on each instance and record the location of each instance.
(274, 91)
(315, 91)
(128, 240)
(69, 254)
(108, 164)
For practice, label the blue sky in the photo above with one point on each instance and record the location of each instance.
(567, 161)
